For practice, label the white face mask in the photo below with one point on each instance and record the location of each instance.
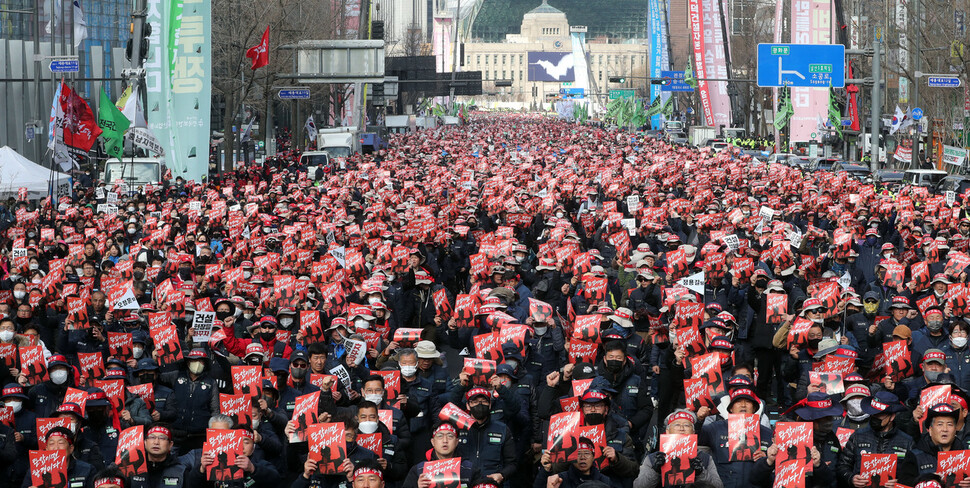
(196, 367)
(541, 331)
(6, 335)
(247, 274)
(19, 295)
(368, 427)
(375, 398)
(137, 352)
(286, 322)
(34, 266)
(854, 408)
(958, 342)
(16, 405)
(373, 299)
(520, 259)
(559, 215)
(409, 371)
(361, 324)
(248, 315)
(59, 377)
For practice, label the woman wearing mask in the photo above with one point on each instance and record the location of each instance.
(957, 354)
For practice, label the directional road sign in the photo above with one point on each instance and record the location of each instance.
(573, 93)
(917, 113)
(65, 66)
(942, 81)
(675, 82)
(294, 93)
(811, 65)
(621, 93)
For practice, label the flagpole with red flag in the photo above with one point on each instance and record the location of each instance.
(260, 52)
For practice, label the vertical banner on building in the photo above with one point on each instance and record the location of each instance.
(811, 24)
(902, 19)
(659, 54)
(441, 44)
(580, 67)
(696, 17)
(179, 83)
(779, 18)
(716, 63)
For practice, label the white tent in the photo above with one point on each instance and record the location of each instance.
(18, 172)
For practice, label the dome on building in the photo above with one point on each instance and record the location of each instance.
(545, 8)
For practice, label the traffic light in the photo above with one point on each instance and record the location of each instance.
(617, 79)
(660, 81)
(146, 32)
(377, 30)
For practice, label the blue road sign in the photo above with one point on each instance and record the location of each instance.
(942, 81)
(64, 66)
(846, 122)
(675, 82)
(574, 93)
(803, 65)
(294, 94)
(917, 113)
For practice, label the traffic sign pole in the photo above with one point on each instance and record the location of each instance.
(876, 104)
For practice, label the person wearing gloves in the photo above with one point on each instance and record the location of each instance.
(715, 436)
(705, 470)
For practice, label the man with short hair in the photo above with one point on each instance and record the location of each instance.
(940, 436)
(444, 444)
(164, 469)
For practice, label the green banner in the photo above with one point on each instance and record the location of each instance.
(113, 125)
(179, 83)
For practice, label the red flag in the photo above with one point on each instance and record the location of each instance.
(260, 52)
(81, 130)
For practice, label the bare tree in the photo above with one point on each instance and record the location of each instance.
(238, 25)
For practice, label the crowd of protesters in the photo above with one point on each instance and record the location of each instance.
(519, 302)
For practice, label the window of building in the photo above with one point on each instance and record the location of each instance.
(503, 60)
(495, 59)
(520, 59)
(520, 75)
(478, 59)
(503, 74)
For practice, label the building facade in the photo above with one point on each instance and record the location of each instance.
(545, 29)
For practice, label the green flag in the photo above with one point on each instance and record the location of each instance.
(784, 112)
(668, 108)
(113, 125)
(689, 73)
(835, 115)
(654, 107)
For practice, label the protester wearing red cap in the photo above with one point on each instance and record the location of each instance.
(702, 466)
(940, 435)
(444, 445)
(735, 468)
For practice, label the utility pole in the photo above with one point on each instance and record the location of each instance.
(915, 164)
(454, 67)
(876, 104)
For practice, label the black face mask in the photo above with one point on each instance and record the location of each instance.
(480, 412)
(761, 284)
(267, 336)
(185, 274)
(595, 418)
(298, 373)
(875, 423)
(825, 426)
(223, 315)
(614, 365)
(146, 379)
(813, 343)
(139, 275)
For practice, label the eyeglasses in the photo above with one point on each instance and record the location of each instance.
(157, 437)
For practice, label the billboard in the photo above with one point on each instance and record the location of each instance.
(554, 67)
(178, 76)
